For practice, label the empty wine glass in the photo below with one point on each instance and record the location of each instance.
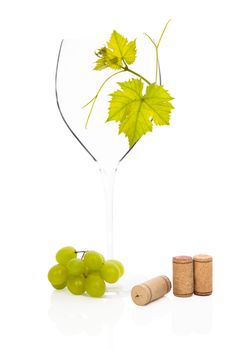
(75, 83)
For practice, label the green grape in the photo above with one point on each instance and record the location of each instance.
(95, 285)
(86, 270)
(76, 284)
(65, 254)
(110, 272)
(59, 286)
(95, 273)
(57, 276)
(75, 267)
(93, 260)
(120, 266)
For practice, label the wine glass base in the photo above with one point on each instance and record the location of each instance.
(123, 287)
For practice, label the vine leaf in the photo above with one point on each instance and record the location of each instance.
(118, 52)
(136, 111)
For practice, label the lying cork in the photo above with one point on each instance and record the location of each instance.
(151, 290)
(203, 274)
(183, 276)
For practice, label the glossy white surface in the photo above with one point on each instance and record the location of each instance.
(173, 195)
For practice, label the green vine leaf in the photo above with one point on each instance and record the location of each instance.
(135, 107)
(117, 54)
(136, 111)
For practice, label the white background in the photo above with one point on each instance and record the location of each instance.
(173, 194)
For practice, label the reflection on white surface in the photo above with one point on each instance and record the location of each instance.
(192, 315)
(77, 314)
(142, 315)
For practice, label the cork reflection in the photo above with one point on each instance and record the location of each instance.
(156, 312)
(193, 314)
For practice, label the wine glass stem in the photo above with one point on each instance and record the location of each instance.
(108, 178)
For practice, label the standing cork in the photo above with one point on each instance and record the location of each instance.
(202, 274)
(183, 276)
(151, 290)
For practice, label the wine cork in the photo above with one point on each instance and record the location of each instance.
(203, 274)
(151, 290)
(183, 276)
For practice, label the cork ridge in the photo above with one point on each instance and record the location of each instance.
(182, 259)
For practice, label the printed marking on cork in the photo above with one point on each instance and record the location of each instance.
(151, 290)
(203, 270)
(183, 283)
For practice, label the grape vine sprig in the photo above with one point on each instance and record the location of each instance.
(135, 106)
(87, 273)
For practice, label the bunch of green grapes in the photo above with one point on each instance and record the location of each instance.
(86, 274)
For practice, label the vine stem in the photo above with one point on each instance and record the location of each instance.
(137, 74)
(127, 69)
(157, 65)
(163, 32)
(97, 94)
(157, 68)
(93, 100)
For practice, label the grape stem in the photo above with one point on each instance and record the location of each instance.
(81, 251)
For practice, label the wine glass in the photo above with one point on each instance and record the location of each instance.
(75, 84)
